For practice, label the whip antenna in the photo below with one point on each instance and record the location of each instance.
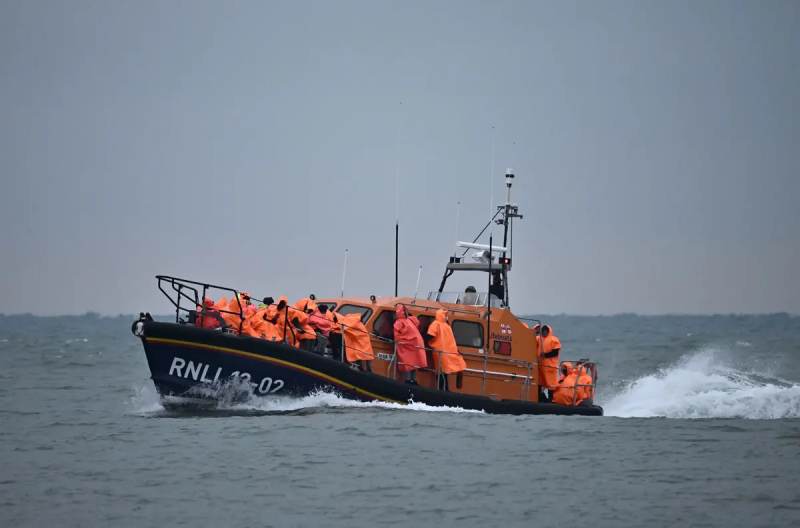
(344, 272)
(491, 172)
(419, 278)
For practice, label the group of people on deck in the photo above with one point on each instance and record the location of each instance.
(315, 328)
(564, 383)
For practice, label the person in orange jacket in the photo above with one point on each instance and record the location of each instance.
(259, 324)
(322, 326)
(548, 362)
(319, 320)
(585, 384)
(446, 357)
(409, 344)
(239, 304)
(208, 316)
(357, 341)
(335, 336)
(280, 318)
(566, 393)
(298, 315)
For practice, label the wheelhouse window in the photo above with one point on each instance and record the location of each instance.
(383, 325)
(330, 305)
(468, 334)
(347, 309)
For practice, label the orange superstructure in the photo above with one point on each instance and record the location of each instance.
(500, 352)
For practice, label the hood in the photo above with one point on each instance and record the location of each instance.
(208, 303)
(567, 366)
(441, 315)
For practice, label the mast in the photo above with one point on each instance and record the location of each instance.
(510, 211)
(498, 274)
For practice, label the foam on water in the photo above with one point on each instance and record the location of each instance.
(145, 400)
(702, 385)
(324, 399)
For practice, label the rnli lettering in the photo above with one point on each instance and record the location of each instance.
(199, 371)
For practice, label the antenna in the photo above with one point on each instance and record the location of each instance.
(344, 272)
(419, 278)
(397, 204)
(458, 220)
(491, 173)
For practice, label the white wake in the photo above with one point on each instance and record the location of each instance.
(146, 401)
(703, 386)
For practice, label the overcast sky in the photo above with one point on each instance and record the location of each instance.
(656, 147)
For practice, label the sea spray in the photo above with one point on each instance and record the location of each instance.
(702, 385)
(325, 399)
(145, 400)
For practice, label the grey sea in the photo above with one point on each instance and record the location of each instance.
(702, 428)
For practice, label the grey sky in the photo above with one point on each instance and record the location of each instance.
(656, 144)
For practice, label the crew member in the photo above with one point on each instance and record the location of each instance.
(585, 383)
(209, 317)
(280, 318)
(322, 326)
(238, 309)
(409, 344)
(470, 296)
(259, 324)
(565, 391)
(299, 318)
(319, 320)
(357, 342)
(335, 337)
(446, 357)
(548, 362)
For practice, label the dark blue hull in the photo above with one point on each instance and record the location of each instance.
(189, 364)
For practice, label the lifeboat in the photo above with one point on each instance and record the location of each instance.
(197, 363)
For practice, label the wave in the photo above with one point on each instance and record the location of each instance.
(331, 400)
(702, 385)
(146, 401)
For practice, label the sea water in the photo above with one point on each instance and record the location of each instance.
(702, 428)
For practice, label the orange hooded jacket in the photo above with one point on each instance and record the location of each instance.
(357, 343)
(410, 347)
(207, 316)
(442, 339)
(305, 332)
(548, 361)
(247, 309)
(258, 325)
(584, 384)
(564, 393)
(279, 317)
